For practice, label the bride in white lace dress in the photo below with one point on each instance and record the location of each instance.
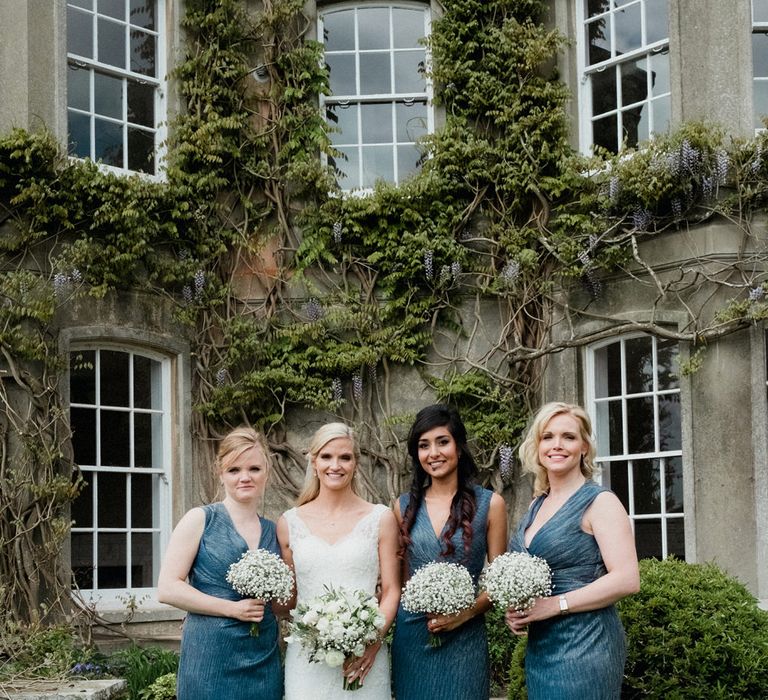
(335, 538)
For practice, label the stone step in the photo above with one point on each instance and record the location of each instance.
(64, 690)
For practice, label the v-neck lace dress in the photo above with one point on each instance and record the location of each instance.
(351, 562)
(219, 657)
(579, 656)
(458, 668)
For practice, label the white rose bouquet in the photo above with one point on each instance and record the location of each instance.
(516, 579)
(261, 574)
(335, 625)
(439, 588)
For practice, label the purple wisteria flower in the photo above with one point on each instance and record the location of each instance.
(505, 461)
(187, 294)
(222, 376)
(756, 293)
(372, 372)
(455, 269)
(708, 187)
(337, 228)
(337, 389)
(614, 187)
(677, 208)
(429, 264)
(757, 161)
(313, 309)
(510, 272)
(722, 165)
(199, 283)
(357, 386)
(641, 219)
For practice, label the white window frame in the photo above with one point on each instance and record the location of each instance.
(110, 598)
(391, 98)
(625, 456)
(125, 74)
(585, 71)
(758, 27)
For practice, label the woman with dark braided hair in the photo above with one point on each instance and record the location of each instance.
(447, 517)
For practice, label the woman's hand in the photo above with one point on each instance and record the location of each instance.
(542, 609)
(446, 623)
(357, 668)
(247, 610)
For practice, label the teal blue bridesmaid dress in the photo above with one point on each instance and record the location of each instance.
(457, 669)
(579, 656)
(219, 657)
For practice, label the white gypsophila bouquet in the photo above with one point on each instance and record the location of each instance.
(335, 625)
(261, 574)
(516, 579)
(439, 588)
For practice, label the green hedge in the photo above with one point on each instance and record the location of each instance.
(693, 632)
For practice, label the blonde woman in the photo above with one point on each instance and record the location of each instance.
(333, 537)
(576, 645)
(219, 658)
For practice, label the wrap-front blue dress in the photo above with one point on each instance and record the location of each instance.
(458, 668)
(579, 656)
(219, 657)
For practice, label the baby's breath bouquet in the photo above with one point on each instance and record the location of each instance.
(335, 625)
(261, 574)
(516, 579)
(439, 588)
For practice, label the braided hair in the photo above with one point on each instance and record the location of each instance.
(464, 503)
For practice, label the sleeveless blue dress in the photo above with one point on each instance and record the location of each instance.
(579, 656)
(458, 668)
(219, 658)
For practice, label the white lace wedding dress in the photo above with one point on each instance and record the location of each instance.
(352, 562)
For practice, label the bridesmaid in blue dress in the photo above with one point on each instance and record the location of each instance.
(445, 517)
(219, 657)
(576, 644)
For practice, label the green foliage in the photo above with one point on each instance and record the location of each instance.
(693, 632)
(142, 666)
(502, 649)
(163, 688)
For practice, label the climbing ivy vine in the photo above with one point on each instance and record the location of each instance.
(294, 295)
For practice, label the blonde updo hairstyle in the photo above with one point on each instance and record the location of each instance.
(323, 435)
(529, 449)
(237, 441)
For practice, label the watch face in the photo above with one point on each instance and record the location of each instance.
(563, 605)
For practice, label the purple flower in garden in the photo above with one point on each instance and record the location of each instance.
(690, 157)
(337, 231)
(756, 293)
(222, 376)
(455, 269)
(707, 187)
(510, 272)
(313, 309)
(372, 372)
(584, 258)
(357, 386)
(445, 274)
(505, 461)
(337, 390)
(429, 264)
(199, 283)
(677, 208)
(186, 292)
(613, 187)
(757, 161)
(722, 164)
(77, 277)
(673, 163)
(641, 219)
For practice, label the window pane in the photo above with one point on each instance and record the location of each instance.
(676, 538)
(605, 133)
(640, 426)
(409, 75)
(634, 81)
(141, 560)
(79, 138)
(114, 439)
(112, 8)
(142, 382)
(111, 43)
(81, 545)
(142, 498)
(114, 378)
(343, 118)
(86, 4)
(635, 126)
(599, 40)
(639, 358)
(142, 441)
(760, 98)
(610, 441)
(142, 13)
(348, 164)
(78, 88)
(109, 96)
(375, 74)
(646, 479)
(339, 31)
(615, 478)
(627, 24)
(377, 165)
(669, 423)
(411, 121)
(143, 53)
(608, 370)
(111, 505)
(656, 20)
(661, 115)
(760, 10)
(409, 27)
(82, 376)
(660, 73)
(141, 150)
(673, 474)
(109, 143)
(112, 560)
(377, 123)
(79, 33)
(83, 424)
(373, 29)
(407, 161)
(342, 74)
(648, 538)
(603, 90)
(81, 510)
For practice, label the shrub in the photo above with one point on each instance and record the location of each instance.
(164, 688)
(692, 632)
(142, 666)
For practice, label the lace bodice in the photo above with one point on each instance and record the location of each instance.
(351, 562)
